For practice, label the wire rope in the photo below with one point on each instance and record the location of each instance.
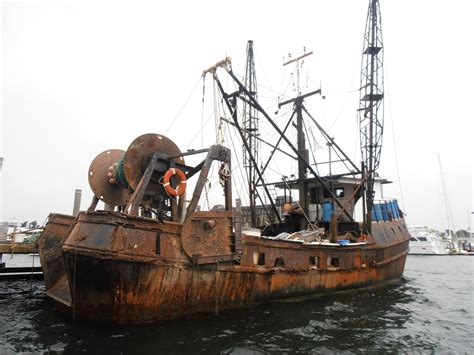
(393, 135)
(183, 107)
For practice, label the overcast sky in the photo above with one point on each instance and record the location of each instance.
(82, 77)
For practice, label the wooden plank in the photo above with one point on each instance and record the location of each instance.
(18, 248)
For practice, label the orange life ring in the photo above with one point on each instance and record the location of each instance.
(181, 188)
(363, 238)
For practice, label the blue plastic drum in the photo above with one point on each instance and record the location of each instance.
(378, 212)
(327, 211)
(384, 211)
(392, 209)
(397, 209)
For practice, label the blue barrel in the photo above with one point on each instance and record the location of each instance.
(384, 211)
(327, 211)
(392, 209)
(378, 212)
(397, 209)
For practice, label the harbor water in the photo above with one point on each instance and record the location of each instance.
(431, 310)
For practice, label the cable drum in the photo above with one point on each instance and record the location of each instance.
(103, 182)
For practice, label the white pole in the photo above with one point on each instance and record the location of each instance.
(77, 202)
(1, 192)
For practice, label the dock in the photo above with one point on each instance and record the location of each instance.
(19, 270)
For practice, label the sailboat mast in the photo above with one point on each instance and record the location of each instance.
(447, 205)
(250, 125)
(371, 103)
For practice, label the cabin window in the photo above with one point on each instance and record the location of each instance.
(413, 239)
(279, 262)
(422, 239)
(334, 262)
(339, 192)
(313, 261)
(259, 258)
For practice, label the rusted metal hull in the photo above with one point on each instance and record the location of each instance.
(128, 292)
(52, 262)
(136, 270)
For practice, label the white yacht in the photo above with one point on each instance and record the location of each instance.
(425, 241)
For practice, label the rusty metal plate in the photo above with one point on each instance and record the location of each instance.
(50, 250)
(139, 152)
(208, 235)
(111, 194)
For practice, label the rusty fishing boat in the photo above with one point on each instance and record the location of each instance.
(152, 254)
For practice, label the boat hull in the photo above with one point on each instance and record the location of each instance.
(121, 291)
(135, 270)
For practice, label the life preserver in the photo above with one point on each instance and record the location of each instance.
(363, 238)
(181, 188)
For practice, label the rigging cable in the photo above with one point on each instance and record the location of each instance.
(182, 108)
(237, 167)
(393, 135)
(310, 146)
(327, 139)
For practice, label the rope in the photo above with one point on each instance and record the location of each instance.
(182, 108)
(119, 173)
(202, 112)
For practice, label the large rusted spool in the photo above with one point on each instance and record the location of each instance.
(114, 174)
(140, 151)
(100, 181)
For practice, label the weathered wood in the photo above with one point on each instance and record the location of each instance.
(18, 248)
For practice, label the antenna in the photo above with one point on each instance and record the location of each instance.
(298, 90)
(371, 102)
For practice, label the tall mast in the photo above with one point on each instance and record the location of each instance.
(250, 125)
(371, 103)
(301, 141)
(447, 205)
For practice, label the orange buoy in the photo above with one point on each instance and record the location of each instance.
(180, 188)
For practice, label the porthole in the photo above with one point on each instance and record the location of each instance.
(279, 262)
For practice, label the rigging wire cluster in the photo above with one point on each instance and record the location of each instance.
(251, 167)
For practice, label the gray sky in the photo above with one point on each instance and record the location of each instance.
(82, 77)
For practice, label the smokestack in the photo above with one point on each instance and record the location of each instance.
(77, 202)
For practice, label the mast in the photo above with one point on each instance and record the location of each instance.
(250, 125)
(447, 205)
(301, 141)
(371, 103)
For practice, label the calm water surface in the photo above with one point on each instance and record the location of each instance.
(432, 310)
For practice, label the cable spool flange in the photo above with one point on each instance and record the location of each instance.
(140, 151)
(100, 180)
